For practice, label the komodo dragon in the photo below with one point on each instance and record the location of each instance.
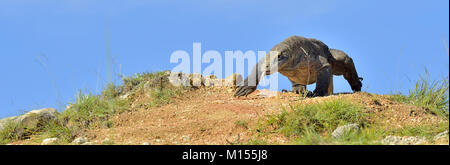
(304, 61)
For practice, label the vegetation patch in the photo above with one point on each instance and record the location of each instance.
(15, 130)
(241, 123)
(428, 131)
(430, 95)
(321, 118)
(95, 111)
(256, 141)
(11, 132)
(155, 85)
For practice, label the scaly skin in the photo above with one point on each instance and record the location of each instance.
(304, 61)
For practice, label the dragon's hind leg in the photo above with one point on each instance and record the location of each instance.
(331, 86)
(324, 81)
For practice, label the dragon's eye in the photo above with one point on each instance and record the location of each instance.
(282, 55)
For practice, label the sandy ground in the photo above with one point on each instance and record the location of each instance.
(209, 116)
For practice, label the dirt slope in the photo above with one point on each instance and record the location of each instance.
(212, 116)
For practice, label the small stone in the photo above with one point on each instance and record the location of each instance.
(179, 79)
(107, 141)
(196, 79)
(32, 119)
(441, 135)
(158, 140)
(266, 93)
(80, 140)
(88, 143)
(339, 131)
(125, 96)
(49, 141)
(233, 80)
(405, 140)
(218, 102)
(69, 106)
(209, 80)
(186, 138)
(146, 143)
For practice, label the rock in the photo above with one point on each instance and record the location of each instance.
(146, 143)
(107, 141)
(80, 140)
(36, 116)
(233, 80)
(441, 136)
(196, 79)
(405, 140)
(88, 143)
(210, 80)
(167, 73)
(267, 94)
(69, 106)
(50, 141)
(125, 96)
(179, 79)
(219, 102)
(339, 131)
(186, 138)
(31, 119)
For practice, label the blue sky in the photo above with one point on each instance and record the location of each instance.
(52, 49)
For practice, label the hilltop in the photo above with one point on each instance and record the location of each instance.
(146, 109)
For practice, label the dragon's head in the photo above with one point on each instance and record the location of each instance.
(276, 61)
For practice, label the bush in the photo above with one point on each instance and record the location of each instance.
(16, 130)
(429, 130)
(138, 81)
(306, 120)
(432, 95)
(90, 110)
(11, 132)
(156, 85)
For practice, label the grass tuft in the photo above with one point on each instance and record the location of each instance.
(428, 94)
(11, 131)
(432, 95)
(322, 118)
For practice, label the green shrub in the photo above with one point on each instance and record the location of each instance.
(11, 131)
(110, 92)
(241, 123)
(318, 118)
(428, 131)
(256, 142)
(432, 95)
(137, 81)
(14, 130)
(163, 96)
(58, 129)
(90, 110)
